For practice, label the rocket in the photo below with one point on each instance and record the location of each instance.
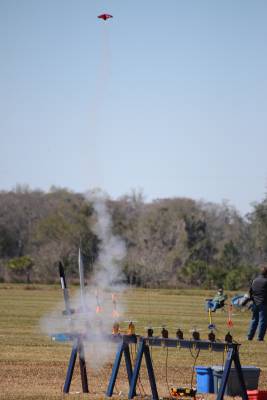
(82, 285)
(68, 310)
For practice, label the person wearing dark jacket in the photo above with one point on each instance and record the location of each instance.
(258, 293)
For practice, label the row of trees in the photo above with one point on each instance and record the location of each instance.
(170, 242)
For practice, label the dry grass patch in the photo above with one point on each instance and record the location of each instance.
(34, 367)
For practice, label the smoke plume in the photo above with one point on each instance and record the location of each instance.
(95, 315)
(107, 273)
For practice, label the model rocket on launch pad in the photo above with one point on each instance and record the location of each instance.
(68, 310)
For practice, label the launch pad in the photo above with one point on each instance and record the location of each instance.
(144, 344)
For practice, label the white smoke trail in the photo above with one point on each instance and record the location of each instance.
(112, 249)
(97, 314)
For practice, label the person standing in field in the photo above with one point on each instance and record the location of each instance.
(258, 293)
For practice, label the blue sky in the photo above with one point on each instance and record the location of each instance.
(168, 97)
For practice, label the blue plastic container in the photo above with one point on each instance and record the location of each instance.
(251, 377)
(204, 379)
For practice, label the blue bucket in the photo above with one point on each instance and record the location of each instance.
(204, 379)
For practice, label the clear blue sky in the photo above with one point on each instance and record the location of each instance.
(168, 96)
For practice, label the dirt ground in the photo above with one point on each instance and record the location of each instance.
(46, 379)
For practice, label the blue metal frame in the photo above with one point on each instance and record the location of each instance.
(232, 355)
(78, 348)
(144, 348)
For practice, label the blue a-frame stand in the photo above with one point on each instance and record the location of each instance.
(77, 348)
(145, 343)
(232, 355)
(143, 349)
(123, 347)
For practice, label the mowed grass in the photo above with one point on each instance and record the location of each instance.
(32, 366)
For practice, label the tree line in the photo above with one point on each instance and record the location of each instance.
(173, 242)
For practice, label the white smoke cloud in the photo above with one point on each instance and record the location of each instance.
(112, 249)
(101, 305)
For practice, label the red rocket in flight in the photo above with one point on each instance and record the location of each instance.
(105, 16)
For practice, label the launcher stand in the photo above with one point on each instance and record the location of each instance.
(77, 348)
(143, 349)
(123, 348)
(232, 355)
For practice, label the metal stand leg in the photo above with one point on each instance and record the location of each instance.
(136, 370)
(128, 363)
(83, 368)
(115, 370)
(151, 374)
(240, 376)
(70, 370)
(226, 373)
(143, 349)
(122, 348)
(76, 348)
(232, 355)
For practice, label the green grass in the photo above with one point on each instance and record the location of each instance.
(34, 367)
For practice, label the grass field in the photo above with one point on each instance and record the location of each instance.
(34, 367)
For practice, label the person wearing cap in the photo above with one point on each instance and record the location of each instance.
(258, 294)
(217, 301)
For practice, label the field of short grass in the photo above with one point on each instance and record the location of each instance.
(32, 366)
